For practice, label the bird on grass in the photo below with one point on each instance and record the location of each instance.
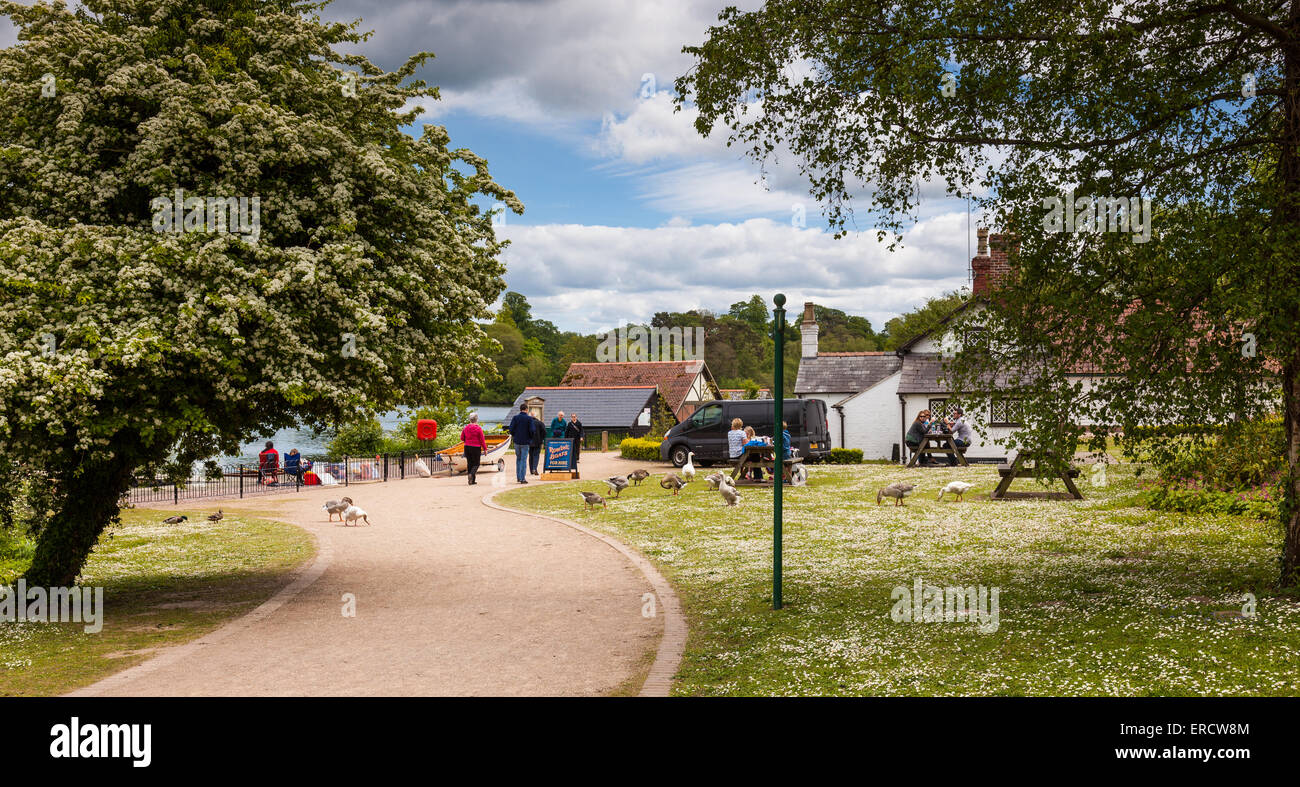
(897, 491)
(715, 479)
(616, 483)
(728, 492)
(688, 469)
(216, 517)
(671, 481)
(637, 476)
(592, 499)
(337, 507)
(957, 488)
(175, 520)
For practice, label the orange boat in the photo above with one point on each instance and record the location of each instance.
(497, 446)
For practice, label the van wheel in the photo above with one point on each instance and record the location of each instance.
(679, 455)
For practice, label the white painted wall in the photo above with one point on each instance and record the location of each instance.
(982, 447)
(871, 420)
(832, 415)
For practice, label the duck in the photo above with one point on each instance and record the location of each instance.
(715, 479)
(216, 517)
(591, 498)
(175, 520)
(637, 476)
(617, 484)
(958, 488)
(897, 491)
(671, 481)
(337, 507)
(688, 469)
(353, 513)
(728, 492)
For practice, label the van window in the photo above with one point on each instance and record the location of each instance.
(707, 415)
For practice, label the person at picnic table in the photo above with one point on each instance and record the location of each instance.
(475, 444)
(558, 426)
(736, 439)
(268, 463)
(962, 434)
(574, 430)
(521, 432)
(535, 448)
(917, 432)
(754, 441)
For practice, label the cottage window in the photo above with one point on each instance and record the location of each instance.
(1005, 412)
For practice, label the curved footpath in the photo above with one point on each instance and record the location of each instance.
(454, 595)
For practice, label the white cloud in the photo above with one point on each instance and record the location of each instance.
(588, 278)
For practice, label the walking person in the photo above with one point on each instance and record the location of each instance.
(574, 430)
(535, 448)
(475, 444)
(521, 432)
(558, 425)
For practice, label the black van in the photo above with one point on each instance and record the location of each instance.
(705, 431)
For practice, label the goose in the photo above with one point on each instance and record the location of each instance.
(958, 488)
(352, 514)
(715, 479)
(616, 483)
(175, 520)
(688, 469)
(728, 492)
(592, 499)
(215, 517)
(637, 476)
(897, 491)
(671, 481)
(337, 507)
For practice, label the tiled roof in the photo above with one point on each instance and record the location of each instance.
(673, 378)
(598, 408)
(844, 372)
(924, 373)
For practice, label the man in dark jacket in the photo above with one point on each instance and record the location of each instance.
(521, 433)
(535, 448)
(574, 431)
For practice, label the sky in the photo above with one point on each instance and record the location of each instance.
(628, 210)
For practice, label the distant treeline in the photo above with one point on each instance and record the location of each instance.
(738, 345)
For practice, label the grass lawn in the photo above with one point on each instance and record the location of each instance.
(163, 585)
(1097, 597)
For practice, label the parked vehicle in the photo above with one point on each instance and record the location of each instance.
(705, 431)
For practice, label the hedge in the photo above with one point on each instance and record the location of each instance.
(639, 448)
(844, 456)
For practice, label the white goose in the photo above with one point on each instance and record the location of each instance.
(688, 469)
(958, 488)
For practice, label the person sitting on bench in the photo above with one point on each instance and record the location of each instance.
(916, 434)
(961, 434)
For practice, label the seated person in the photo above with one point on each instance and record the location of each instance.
(293, 463)
(917, 431)
(962, 434)
(753, 440)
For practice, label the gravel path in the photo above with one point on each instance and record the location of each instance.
(452, 597)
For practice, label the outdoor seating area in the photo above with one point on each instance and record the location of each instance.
(1027, 465)
(761, 457)
(938, 444)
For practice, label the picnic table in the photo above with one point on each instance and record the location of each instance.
(762, 456)
(938, 443)
(1026, 465)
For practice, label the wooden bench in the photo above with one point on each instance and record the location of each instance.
(756, 456)
(1026, 466)
(939, 443)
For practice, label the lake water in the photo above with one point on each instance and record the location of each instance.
(489, 415)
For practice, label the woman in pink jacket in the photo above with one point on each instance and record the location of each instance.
(475, 445)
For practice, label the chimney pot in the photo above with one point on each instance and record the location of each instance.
(983, 234)
(808, 312)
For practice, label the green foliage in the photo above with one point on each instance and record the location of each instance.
(1235, 456)
(176, 346)
(1260, 505)
(844, 456)
(639, 448)
(924, 318)
(360, 438)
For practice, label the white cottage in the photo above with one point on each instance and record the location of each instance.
(873, 397)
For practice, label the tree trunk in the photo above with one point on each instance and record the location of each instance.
(1291, 504)
(1289, 178)
(89, 500)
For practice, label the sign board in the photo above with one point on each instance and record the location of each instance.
(559, 454)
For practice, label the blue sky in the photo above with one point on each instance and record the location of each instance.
(628, 210)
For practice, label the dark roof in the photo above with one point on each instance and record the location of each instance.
(844, 372)
(614, 407)
(923, 373)
(673, 378)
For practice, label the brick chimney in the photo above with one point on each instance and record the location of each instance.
(808, 330)
(990, 267)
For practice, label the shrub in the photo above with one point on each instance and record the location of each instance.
(1258, 503)
(640, 448)
(844, 456)
(363, 438)
(1245, 455)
